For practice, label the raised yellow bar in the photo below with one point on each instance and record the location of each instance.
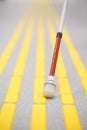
(84, 84)
(40, 67)
(15, 84)
(14, 90)
(21, 63)
(39, 72)
(38, 91)
(6, 116)
(74, 56)
(12, 43)
(65, 92)
(38, 117)
(71, 118)
(60, 68)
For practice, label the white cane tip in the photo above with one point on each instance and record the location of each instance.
(49, 90)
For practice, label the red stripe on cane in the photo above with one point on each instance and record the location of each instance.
(55, 56)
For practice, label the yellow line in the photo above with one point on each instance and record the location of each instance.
(63, 84)
(76, 60)
(6, 116)
(60, 69)
(65, 91)
(40, 67)
(84, 84)
(15, 84)
(13, 90)
(12, 43)
(38, 119)
(38, 88)
(74, 55)
(71, 118)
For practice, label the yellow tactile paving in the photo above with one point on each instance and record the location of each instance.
(82, 73)
(71, 118)
(63, 83)
(15, 83)
(38, 88)
(38, 116)
(12, 43)
(84, 84)
(40, 67)
(14, 90)
(65, 91)
(40, 70)
(74, 56)
(60, 69)
(76, 60)
(7, 116)
(38, 119)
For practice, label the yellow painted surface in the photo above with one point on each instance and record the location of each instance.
(38, 91)
(63, 84)
(65, 91)
(84, 84)
(11, 45)
(15, 83)
(60, 68)
(21, 63)
(6, 116)
(14, 90)
(76, 60)
(74, 56)
(40, 67)
(38, 119)
(71, 118)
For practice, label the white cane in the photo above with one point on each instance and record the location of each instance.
(50, 86)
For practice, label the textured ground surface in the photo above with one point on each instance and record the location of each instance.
(27, 38)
